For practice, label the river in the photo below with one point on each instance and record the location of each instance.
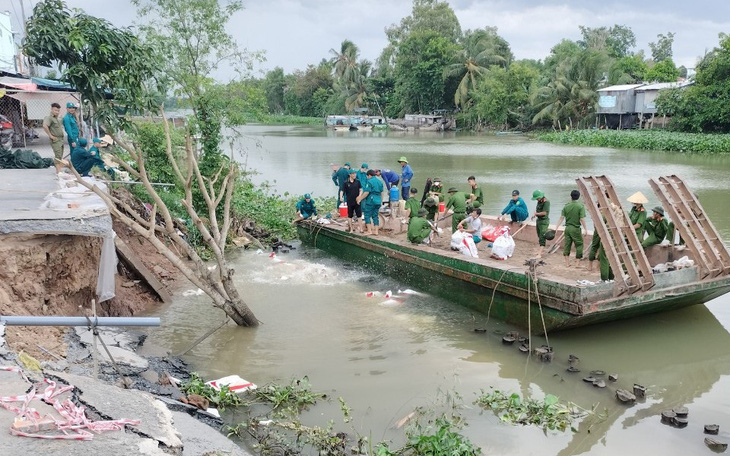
(385, 358)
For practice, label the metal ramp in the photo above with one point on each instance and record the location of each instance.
(625, 255)
(699, 234)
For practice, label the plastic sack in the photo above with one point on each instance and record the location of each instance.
(490, 233)
(107, 268)
(504, 247)
(464, 242)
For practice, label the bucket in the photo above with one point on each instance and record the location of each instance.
(394, 193)
(442, 207)
(343, 210)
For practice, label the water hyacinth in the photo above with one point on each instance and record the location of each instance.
(671, 141)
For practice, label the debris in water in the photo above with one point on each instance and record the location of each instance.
(598, 373)
(613, 377)
(544, 353)
(573, 359)
(370, 294)
(510, 337)
(718, 446)
(402, 422)
(197, 292)
(391, 302)
(680, 422)
(524, 348)
(599, 384)
(572, 369)
(681, 412)
(625, 396)
(523, 340)
(480, 330)
(589, 379)
(639, 390)
(259, 252)
(388, 294)
(713, 429)
(410, 292)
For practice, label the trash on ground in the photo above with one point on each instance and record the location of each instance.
(233, 382)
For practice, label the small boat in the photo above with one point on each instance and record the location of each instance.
(560, 296)
(349, 123)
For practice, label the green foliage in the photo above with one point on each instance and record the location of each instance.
(222, 399)
(617, 41)
(549, 413)
(287, 119)
(97, 59)
(662, 49)
(703, 107)
(663, 71)
(694, 143)
(274, 88)
(630, 69)
(289, 400)
(440, 438)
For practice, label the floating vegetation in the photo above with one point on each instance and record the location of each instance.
(548, 413)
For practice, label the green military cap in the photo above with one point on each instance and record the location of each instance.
(537, 194)
(422, 212)
(453, 190)
(430, 202)
(659, 211)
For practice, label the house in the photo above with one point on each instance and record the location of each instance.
(629, 105)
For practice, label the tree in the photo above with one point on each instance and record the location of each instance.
(663, 71)
(502, 98)
(662, 48)
(274, 88)
(95, 62)
(481, 48)
(419, 72)
(630, 69)
(192, 37)
(617, 41)
(344, 61)
(703, 106)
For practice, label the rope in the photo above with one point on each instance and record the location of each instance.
(529, 320)
(203, 337)
(542, 317)
(494, 291)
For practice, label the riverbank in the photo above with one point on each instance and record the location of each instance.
(284, 119)
(160, 423)
(670, 141)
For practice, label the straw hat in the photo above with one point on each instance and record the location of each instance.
(637, 198)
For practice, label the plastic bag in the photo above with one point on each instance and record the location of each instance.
(490, 233)
(464, 242)
(504, 247)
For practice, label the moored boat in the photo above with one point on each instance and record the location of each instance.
(543, 292)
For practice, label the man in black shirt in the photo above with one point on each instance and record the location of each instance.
(351, 190)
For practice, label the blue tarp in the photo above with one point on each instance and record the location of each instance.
(51, 84)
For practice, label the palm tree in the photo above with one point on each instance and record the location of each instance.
(345, 60)
(357, 91)
(482, 48)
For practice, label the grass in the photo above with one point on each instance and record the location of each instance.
(664, 140)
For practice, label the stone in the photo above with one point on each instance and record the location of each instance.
(198, 401)
(124, 357)
(613, 377)
(625, 396)
(86, 336)
(199, 438)
(718, 446)
(151, 376)
(639, 391)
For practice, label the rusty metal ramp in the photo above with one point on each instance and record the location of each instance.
(699, 234)
(623, 249)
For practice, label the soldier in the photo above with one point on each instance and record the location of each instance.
(542, 217)
(574, 214)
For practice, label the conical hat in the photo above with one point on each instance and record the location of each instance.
(637, 198)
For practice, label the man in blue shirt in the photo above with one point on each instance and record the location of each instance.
(83, 160)
(339, 177)
(362, 175)
(390, 177)
(372, 201)
(516, 208)
(70, 124)
(406, 176)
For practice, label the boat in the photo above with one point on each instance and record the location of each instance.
(436, 121)
(349, 123)
(542, 293)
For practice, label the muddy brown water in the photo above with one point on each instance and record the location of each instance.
(387, 357)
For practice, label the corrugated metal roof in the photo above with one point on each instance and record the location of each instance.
(619, 88)
(665, 85)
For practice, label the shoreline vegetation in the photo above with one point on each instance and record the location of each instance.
(663, 140)
(289, 119)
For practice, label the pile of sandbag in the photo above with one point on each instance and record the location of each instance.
(464, 243)
(503, 247)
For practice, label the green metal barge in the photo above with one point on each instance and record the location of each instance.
(521, 288)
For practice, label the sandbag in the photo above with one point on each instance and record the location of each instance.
(464, 243)
(503, 247)
(490, 233)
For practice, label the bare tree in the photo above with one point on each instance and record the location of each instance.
(216, 282)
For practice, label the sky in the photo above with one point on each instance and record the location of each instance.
(295, 33)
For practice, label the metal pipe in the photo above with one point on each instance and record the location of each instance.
(79, 321)
(154, 184)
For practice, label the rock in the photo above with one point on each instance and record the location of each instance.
(198, 401)
(718, 446)
(599, 384)
(572, 369)
(124, 357)
(589, 379)
(151, 376)
(613, 377)
(86, 336)
(625, 396)
(639, 391)
(713, 429)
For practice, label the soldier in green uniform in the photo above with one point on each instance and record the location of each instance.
(476, 190)
(638, 213)
(656, 227)
(542, 214)
(605, 267)
(420, 230)
(593, 250)
(412, 205)
(431, 207)
(457, 203)
(437, 190)
(574, 214)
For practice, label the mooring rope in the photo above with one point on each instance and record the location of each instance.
(542, 316)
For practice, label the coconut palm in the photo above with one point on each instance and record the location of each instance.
(481, 49)
(357, 90)
(344, 61)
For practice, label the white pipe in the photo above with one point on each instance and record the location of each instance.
(79, 321)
